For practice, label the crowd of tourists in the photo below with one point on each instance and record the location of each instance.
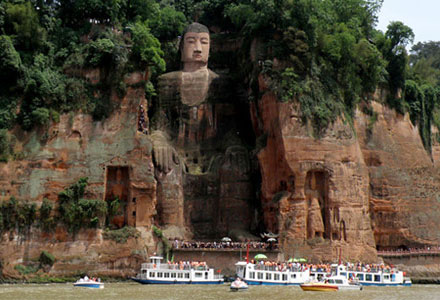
(179, 244)
(184, 265)
(324, 268)
(374, 268)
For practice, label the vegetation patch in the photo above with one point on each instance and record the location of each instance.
(76, 212)
(121, 235)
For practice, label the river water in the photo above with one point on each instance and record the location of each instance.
(134, 291)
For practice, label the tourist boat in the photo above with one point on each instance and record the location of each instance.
(157, 272)
(331, 284)
(89, 283)
(238, 285)
(375, 277)
(260, 274)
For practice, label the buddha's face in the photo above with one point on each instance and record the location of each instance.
(195, 47)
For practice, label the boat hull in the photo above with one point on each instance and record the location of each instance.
(385, 284)
(149, 281)
(90, 285)
(319, 287)
(251, 282)
(234, 289)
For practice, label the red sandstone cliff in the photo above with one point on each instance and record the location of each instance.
(79, 147)
(350, 191)
(314, 191)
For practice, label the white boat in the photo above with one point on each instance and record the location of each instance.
(238, 285)
(374, 276)
(156, 272)
(260, 274)
(333, 283)
(89, 283)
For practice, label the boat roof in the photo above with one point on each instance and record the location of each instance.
(241, 263)
(155, 257)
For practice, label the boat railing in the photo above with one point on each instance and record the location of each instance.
(180, 267)
(373, 270)
(277, 268)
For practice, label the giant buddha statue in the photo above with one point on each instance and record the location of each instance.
(197, 151)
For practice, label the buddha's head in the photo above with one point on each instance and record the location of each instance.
(194, 47)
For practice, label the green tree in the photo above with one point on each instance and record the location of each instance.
(22, 22)
(146, 48)
(10, 64)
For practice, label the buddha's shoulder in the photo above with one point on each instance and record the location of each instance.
(171, 76)
(212, 74)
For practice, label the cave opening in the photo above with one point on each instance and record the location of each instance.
(117, 195)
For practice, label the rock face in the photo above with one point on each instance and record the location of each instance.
(404, 181)
(314, 192)
(117, 160)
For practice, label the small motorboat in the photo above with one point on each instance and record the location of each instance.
(239, 285)
(89, 283)
(332, 284)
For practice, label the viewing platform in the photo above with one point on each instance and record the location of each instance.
(427, 251)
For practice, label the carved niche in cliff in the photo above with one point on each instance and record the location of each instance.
(201, 164)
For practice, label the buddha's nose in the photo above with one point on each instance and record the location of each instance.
(198, 46)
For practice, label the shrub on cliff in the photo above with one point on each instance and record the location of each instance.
(45, 220)
(121, 235)
(76, 212)
(5, 149)
(46, 259)
(17, 215)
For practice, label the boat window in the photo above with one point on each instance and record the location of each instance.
(186, 275)
(386, 277)
(284, 277)
(252, 275)
(166, 275)
(159, 274)
(293, 276)
(338, 281)
(198, 274)
(368, 277)
(152, 274)
(377, 278)
(343, 274)
(173, 275)
(276, 276)
(259, 275)
(331, 281)
(268, 276)
(393, 277)
(351, 275)
(180, 275)
(360, 276)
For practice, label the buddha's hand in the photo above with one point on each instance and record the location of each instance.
(164, 155)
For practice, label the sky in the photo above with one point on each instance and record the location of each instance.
(422, 16)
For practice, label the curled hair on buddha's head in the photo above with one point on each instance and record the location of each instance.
(193, 27)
